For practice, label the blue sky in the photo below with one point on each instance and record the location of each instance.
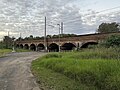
(79, 16)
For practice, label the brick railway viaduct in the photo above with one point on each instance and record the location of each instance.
(68, 43)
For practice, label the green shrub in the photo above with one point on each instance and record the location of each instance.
(112, 41)
(53, 55)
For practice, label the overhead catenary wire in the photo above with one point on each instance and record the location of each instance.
(88, 15)
(74, 20)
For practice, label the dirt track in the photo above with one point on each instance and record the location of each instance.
(15, 73)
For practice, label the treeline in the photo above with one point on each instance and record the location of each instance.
(31, 37)
(103, 28)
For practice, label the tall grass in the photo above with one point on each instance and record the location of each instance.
(92, 67)
(97, 53)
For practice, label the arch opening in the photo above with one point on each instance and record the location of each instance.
(17, 46)
(21, 46)
(86, 45)
(26, 46)
(53, 47)
(68, 46)
(33, 47)
(40, 47)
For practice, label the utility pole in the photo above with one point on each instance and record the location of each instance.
(8, 33)
(13, 48)
(59, 36)
(20, 36)
(45, 43)
(61, 27)
(8, 40)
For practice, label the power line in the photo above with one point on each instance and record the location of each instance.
(76, 18)
(70, 21)
(109, 9)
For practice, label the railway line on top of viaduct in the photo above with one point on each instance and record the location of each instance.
(66, 43)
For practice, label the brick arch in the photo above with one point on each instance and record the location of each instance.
(86, 44)
(40, 46)
(17, 45)
(33, 47)
(68, 46)
(53, 47)
(26, 46)
(21, 46)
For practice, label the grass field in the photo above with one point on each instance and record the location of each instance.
(22, 50)
(92, 69)
(4, 51)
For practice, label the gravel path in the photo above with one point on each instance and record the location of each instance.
(15, 73)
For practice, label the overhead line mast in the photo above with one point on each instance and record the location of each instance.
(45, 41)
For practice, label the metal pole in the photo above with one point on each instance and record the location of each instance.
(61, 27)
(20, 36)
(8, 33)
(59, 36)
(13, 48)
(45, 36)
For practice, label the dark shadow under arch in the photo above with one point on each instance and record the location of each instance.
(17, 46)
(68, 46)
(21, 46)
(33, 47)
(26, 46)
(40, 47)
(53, 47)
(86, 45)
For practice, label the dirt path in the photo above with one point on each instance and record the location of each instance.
(15, 73)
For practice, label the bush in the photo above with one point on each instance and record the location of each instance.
(53, 55)
(112, 41)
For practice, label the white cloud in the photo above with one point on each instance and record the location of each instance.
(27, 17)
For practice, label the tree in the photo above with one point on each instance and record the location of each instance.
(108, 27)
(31, 37)
(36, 38)
(49, 36)
(19, 39)
(2, 45)
(7, 41)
